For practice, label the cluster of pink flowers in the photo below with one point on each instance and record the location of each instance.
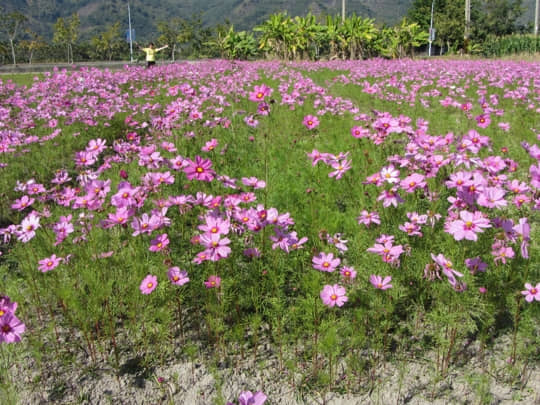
(386, 249)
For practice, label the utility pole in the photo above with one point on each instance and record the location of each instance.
(130, 35)
(467, 23)
(536, 18)
(342, 10)
(431, 36)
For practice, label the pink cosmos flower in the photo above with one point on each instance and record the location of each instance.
(389, 174)
(213, 282)
(22, 203)
(159, 243)
(501, 252)
(411, 229)
(216, 247)
(260, 92)
(333, 295)
(263, 109)
(49, 263)
(412, 182)
(310, 122)
(475, 265)
(531, 293)
(10, 328)
(380, 283)
(28, 228)
(523, 231)
(210, 145)
(390, 197)
(149, 284)
(215, 225)
(317, 157)
(254, 182)
(7, 306)
(200, 169)
(468, 225)
(368, 218)
(505, 126)
(359, 132)
(177, 276)
(251, 121)
(388, 252)
(348, 273)
(483, 120)
(340, 167)
(248, 398)
(447, 267)
(340, 244)
(325, 262)
(492, 197)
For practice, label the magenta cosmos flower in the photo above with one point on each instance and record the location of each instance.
(248, 398)
(149, 284)
(380, 283)
(531, 293)
(200, 169)
(325, 262)
(213, 282)
(177, 276)
(468, 225)
(49, 263)
(333, 295)
(310, 122)
(260, 92)
(10, 328)
(159, 244)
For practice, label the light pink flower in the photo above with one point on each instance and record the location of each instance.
(149, 284)
(380, 283)
(325, 262)
(213, 282)
(332, 295)
(531, 293)
(49, 263)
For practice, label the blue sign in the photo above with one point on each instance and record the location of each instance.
(128, 39)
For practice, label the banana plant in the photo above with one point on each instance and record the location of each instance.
(276, 35)
(305, 29)
(401, 40)
(332, 34)
(239, 45)
(356, 34)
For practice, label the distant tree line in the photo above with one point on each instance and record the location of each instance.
(494, 25)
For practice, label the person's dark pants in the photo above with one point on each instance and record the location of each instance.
(150, 63)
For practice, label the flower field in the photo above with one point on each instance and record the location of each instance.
(322, 220)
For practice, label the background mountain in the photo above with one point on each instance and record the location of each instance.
(97, 15)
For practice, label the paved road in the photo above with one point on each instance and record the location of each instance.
(47, 67)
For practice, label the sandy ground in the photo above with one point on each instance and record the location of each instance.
(473, 379)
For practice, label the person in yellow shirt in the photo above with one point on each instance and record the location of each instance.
(151, 53)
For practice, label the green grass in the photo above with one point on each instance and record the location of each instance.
(95, 303)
